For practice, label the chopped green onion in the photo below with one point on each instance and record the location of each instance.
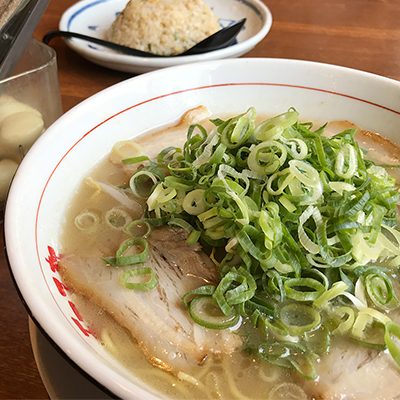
(235, 287)
(299, 318)
(392, 340)
(206, 312)
(302, 228)
(380, 290)
(194, 202)
(161, 195)
(123, 150)
(305, 173)
(346, 161)
(135, 160)
(347, 318)
(131, 251)
(193, 236)
(206, 290)
(138, 228)
(133, 278)
(308, 244)
(117, 218)
(340, 187)
(267, 157)
(238, 129)
(142, 183)
(87, 220)
(364, 319)
(337, 289)
(287, 390)
(290, 355)
(319, 340)
(297, 148)
(312, 289)
(274, 127)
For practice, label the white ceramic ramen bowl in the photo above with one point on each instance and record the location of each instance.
(51, 172)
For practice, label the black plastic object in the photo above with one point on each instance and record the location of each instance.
(223, 38)
(17, 32)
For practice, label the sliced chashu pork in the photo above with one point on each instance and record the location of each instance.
(351, 371)
(157, 318)
(377, 148)
(354, 372)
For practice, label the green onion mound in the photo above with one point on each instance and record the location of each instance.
(302, 227)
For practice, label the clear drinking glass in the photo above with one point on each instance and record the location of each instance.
(30, 101)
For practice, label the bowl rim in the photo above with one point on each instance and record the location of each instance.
(81, 354)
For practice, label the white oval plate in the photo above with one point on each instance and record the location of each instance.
(51, 172)
(94, 17)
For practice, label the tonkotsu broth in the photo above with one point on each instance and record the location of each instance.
(229, 377)
(238, 376)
